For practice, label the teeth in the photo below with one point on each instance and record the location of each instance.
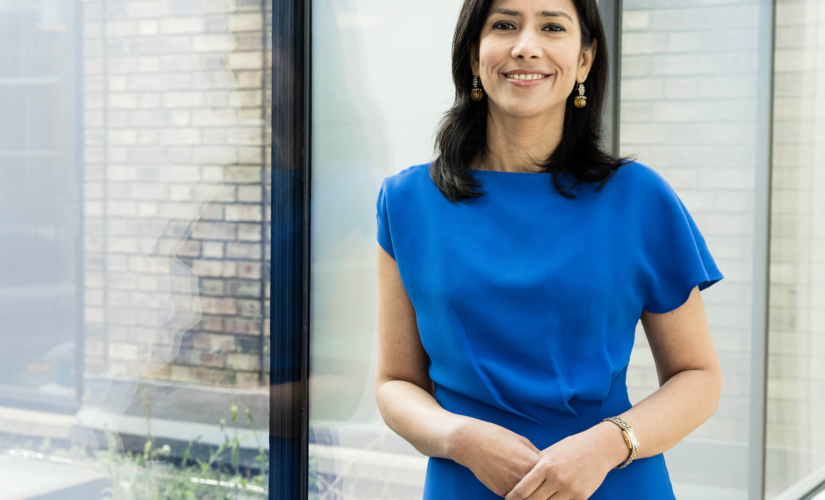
(525, 77)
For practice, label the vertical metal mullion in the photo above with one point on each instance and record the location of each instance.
(761, 253)
(611, 13)
(80, 247)
(290, 244)
(264, 67)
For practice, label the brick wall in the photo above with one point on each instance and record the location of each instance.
(796, 362)
(688, 110)
(176, 189)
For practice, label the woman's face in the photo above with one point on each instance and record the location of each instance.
(542, 37)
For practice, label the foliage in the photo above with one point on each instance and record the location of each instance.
(149, 476)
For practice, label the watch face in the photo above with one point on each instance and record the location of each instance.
(634, 440)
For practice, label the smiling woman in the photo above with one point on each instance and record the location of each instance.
(530, 59)
(507, 317)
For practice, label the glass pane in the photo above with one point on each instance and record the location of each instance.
(688, 110)
(372, 115)
(796, 379)
(134, 296)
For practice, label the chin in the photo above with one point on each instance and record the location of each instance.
(528, 110)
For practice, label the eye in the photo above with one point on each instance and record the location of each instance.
(506, 24)
(555, 27)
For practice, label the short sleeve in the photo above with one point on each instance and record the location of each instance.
(382, 216)
(675, 256)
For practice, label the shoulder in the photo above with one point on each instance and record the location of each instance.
(407, 180)
(643, 182)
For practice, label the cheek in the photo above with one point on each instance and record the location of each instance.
(491, 57)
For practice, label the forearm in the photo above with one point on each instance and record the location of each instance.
(415, 415)
(665, 417)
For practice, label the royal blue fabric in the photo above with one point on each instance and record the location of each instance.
(527, 302)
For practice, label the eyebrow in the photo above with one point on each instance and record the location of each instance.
(544, 13)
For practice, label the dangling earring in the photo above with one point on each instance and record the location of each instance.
(476, 94)
(581, 100)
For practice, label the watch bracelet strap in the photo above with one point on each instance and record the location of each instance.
(632, 449)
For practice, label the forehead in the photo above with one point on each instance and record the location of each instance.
(532, 8)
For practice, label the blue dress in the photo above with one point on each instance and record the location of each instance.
(527, 302)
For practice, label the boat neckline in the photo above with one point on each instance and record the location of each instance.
(509, 173)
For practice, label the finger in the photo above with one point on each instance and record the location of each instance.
(528, 484)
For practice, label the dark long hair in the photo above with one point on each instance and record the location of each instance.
(462, 132)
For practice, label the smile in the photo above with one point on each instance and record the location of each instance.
(523, 81)
(535, 76)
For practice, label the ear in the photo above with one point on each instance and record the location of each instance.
(474, 58)
(586, 60)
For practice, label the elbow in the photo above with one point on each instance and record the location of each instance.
(715, 383)
(379, 384)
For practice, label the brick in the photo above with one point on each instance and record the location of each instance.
(149, 100)
(212, 323)
(213, 249)
(214, 231)
(212, 212)
(249, 251)
(147, 137)
(249, 307)
(212, 342)
(245, 60)
(224, 306)
(250, 154)
(246, 136)
(244, 213)
(249, 270)
(223, 154)
(147, 283)
(121, 208)
(249, 232)
(189, 248)
(212, 174)
(180, 136)
(122, 100)
(246, 362)
(182, 25)
(143, 191)
(92, 208)
(212, 287)
(223, 42)
(122, 245)
(215, 268)
(93, 315)
(246, 22)
(243, 326)
(237, 288)
(148, 264)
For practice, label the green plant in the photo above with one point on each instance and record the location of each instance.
(151, 476)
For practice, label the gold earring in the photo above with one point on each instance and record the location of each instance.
(581, 100)
(476, 94)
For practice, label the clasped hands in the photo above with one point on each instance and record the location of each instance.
(512, 467)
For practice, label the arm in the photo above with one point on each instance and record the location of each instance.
(403, 389)
(690, 380)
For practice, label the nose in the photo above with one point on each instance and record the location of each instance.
(527, 45)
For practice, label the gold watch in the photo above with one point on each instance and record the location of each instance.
(629, 439)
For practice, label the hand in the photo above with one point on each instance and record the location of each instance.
(571, 469)
(498, 457)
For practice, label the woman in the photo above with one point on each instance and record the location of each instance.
(506, 318)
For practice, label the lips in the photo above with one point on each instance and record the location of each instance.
(525, 76)
(527, 81)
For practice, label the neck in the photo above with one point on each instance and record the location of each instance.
(513, 140)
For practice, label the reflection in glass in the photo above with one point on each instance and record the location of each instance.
(134, 295)
(796, 376)
(689, 109)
